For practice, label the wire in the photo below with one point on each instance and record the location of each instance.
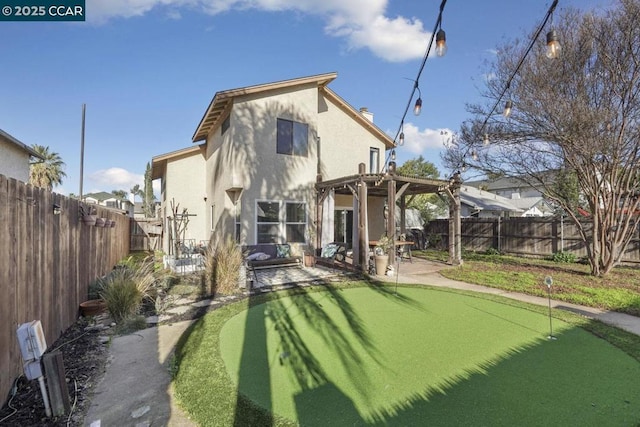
(417, 79)
(14, 391)
(515, 72)
(75, 400)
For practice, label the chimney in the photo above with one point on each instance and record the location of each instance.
(366, 113)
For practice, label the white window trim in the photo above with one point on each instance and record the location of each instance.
(282, 217)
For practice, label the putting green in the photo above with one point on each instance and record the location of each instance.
(424, 357)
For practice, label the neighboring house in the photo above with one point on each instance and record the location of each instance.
(109, 200)
(483, 204)
(511, 188)
(263, 149)
(15, 157)
(533, 206)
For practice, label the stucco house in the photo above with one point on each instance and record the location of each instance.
(109, 200)
(282, 162)
(485, 204)
(261, 149)
(15, 157)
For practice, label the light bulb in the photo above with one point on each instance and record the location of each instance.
(401, 139)
(393, 155)
(441, 43)
(474, 155)
(485, 141)
(553, 45)
(418, 108)
(507, 109)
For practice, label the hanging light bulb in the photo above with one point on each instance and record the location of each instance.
(393, 155)
(485, 141)
(474, 155)
(507, 109)
(553, 45)
(464, 167)
(441, 43)
(418, 108)
(401, 139)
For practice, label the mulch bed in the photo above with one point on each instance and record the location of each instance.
(85, 360)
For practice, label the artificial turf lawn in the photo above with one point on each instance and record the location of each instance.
(424, 357)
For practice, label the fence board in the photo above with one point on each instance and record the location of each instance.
(529, 236)
(46, 264)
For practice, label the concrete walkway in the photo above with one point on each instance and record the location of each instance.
(136, 389)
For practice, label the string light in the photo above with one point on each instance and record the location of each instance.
(552, 39)
(393, 155)
(507, 109)
(418, 107)
(441, 43)
(553, 45)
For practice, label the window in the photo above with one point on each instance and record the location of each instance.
(374, 160)
(296, 221)
(238, 208)
(292, 138)
(268, 219)
(279, 222)
(225, 125)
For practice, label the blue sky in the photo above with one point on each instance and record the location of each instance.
(147, 70)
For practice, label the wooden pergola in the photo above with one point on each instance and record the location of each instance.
(395, 188)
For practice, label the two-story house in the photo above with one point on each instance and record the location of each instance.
(261, 149)
(15, 157)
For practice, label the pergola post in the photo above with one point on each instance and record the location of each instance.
(391, 217)
(455, 250)
(363, 220)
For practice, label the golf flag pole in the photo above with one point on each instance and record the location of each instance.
(549, 281)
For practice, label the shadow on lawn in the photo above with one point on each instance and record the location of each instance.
(546, 382)
(293, 352)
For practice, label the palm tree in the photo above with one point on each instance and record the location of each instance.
(136, 191)
(120, 194)
(48, 172)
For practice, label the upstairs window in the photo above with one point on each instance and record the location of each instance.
(374, 160)
(292, 138)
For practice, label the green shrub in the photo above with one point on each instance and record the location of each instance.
(223, 262)
(492, 251)
(563, 257)
(126, 287)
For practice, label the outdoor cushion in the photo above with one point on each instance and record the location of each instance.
(263, 257)
(256, 256)
(329, 250)
(283, 251)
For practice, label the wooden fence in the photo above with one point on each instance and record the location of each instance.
(47, 261)
(530, 236)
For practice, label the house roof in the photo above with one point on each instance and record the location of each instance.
(100, 196)
(159, 162)
(526, 203)
(19, 144)
(483, 200)
(222, 102)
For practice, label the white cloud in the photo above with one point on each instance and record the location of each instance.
(115, 179)
(416, 141)
(362, 23)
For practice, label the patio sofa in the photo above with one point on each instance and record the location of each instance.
(269, 255)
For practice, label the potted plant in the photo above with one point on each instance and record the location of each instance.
(88, 215)
(381, 254)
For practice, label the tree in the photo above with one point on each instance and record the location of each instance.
(48, 172)
(120, 194)
(429, 205)
(149, 197)
(577, 117)
(136, 191)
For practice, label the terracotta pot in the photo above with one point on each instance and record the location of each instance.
(93, 307)
(90, 220)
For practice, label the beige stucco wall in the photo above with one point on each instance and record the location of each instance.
(14, 162)
(184, 183)
(245, 156)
